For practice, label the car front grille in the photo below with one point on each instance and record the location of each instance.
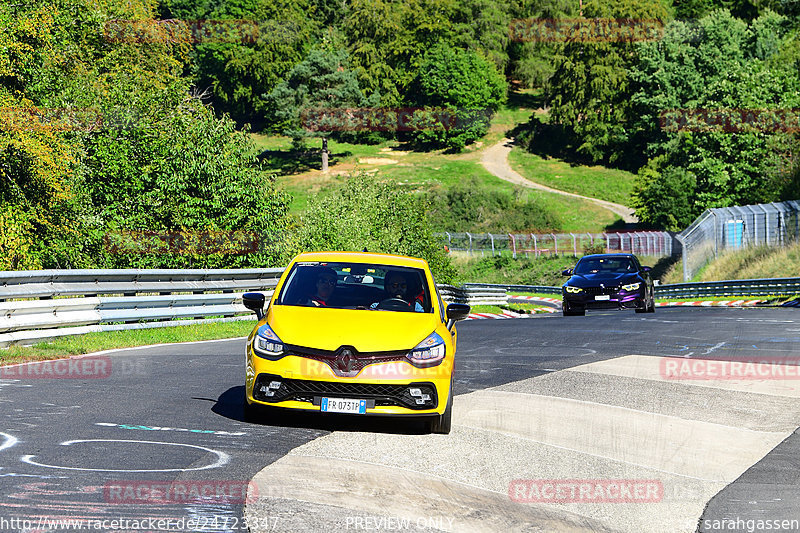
(357, 363)
(597, 291)
(304, 390)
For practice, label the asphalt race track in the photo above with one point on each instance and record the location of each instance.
(589, 423)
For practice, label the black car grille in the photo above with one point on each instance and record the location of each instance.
(358, 362)
(304, 390)
(596, 291)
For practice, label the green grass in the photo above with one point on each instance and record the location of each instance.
(299, 174)
(517, 308)
(608, 184)
(758, 262)
(95, 342)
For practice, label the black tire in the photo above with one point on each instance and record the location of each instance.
(641, 309)
(566, 310)
(442, 423)
(652, 308)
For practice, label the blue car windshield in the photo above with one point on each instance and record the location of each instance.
(601, 265)
(357, 286)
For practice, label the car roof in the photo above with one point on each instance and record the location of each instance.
(615, 256)
(363, 257)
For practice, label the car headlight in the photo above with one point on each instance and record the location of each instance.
(631, 286)
(573, 290)
(429, 352)
(266, 344)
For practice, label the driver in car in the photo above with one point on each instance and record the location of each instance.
(396, 288)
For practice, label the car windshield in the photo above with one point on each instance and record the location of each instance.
(356, 286)
(600, 265)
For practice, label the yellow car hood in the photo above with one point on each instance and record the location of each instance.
(365, 330)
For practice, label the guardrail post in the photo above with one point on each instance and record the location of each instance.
(449, 244)
(535, 246)
(591, 239)
(574, 246)
(513, 245)
(555, 242)
(491, 237)
(608, 241)
(469, 250)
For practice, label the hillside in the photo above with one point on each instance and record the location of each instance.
(490, 204)
(750, 263)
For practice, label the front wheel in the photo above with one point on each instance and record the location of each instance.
(566, 310)
(442, 423)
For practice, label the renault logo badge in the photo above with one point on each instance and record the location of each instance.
(344, 361)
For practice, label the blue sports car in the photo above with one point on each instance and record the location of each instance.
(607, 281)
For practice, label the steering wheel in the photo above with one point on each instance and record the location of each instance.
(394, 304)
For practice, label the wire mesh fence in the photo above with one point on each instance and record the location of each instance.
(653, 243)
(731, 228)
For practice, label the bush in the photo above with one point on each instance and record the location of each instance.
(367, 214)
(464, 83)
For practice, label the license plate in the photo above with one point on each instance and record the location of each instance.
(343, 405)
(603, 297)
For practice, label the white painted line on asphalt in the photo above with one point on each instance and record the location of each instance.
(222, 457)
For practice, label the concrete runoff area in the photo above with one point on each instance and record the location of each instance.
(511, 442)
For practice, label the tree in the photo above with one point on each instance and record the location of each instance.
(379, 216)
(684, 85)
(322, 81)
(590, 89)
(463, 83)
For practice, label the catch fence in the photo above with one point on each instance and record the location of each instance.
(652, 243)
(730, 228)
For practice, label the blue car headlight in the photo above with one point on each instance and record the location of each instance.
(429, 352)
(266, 344)
(573, 290)
(631, 286)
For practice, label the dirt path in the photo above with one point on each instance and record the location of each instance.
(495, 160)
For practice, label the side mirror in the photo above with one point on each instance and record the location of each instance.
(567, 272)
(254, 301)
(456, 312)
(646, 269)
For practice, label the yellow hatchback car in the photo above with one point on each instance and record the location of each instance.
(356, 333)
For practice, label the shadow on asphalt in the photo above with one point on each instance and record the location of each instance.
(230, 405)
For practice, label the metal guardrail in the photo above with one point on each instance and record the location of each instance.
(740, 287)
(541, 289)
(472, 295)
(42, 305)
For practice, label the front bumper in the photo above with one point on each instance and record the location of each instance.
(616, 300)
(391, 388)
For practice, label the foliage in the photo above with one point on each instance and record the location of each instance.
(379, 216)
(725, 64)
(322, 81)
(590, 88)
(470, 206)
(464, 84)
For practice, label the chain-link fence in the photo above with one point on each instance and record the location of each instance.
(730, 228)
(653, 243)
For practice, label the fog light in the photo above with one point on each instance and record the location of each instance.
(415, 392)
(275, 385)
